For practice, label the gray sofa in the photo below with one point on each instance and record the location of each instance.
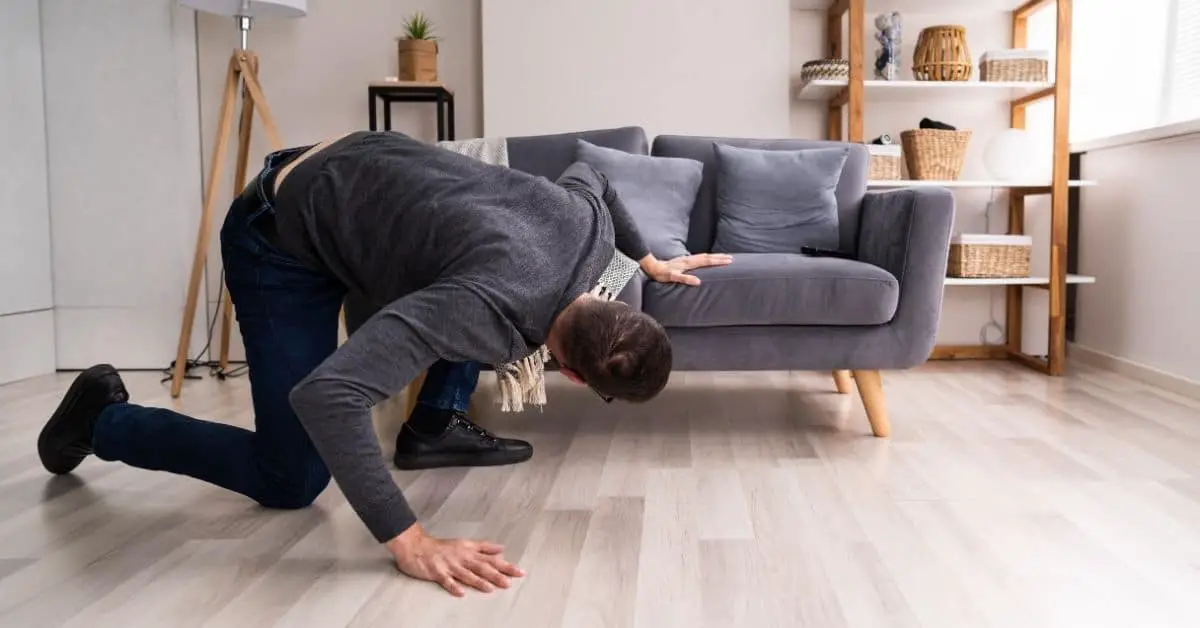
(772, 311)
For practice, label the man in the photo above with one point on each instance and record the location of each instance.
(467, 263)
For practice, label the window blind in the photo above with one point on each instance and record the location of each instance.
(1183, 87)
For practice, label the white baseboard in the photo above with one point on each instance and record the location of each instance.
(1136, 370)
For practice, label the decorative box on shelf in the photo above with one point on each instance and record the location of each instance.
(885, 163)
(1015, 65)
(989, 255)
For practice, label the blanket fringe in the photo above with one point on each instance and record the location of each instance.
(523, 381)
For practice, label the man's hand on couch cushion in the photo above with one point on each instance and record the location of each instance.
(676, 269)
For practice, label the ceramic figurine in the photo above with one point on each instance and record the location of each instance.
(887, 59)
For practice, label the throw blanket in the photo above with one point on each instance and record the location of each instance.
(524, 381)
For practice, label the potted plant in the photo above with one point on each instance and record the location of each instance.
(418, 50)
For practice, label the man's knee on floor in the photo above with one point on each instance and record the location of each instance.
(291, 493)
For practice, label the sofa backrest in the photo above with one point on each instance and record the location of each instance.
(702, 230)
(549, 155)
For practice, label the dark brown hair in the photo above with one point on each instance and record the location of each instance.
(617, 350)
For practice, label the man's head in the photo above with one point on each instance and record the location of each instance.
(618, 351)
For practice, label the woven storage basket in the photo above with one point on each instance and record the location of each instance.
(885, 162)
(818, 69)
(934, 154)
(941, 54)
(1014, 65)
(989, 256)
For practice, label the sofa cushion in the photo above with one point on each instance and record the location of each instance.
(777, 289)
(702, 227)
(549, 155)
(658, 192)
(777, 201)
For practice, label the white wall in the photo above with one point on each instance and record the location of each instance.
(121, 126)
(672, 66)
(26, 299)
(1138, 234)
(315, 71)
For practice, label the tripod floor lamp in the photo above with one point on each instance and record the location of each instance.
(241, 76)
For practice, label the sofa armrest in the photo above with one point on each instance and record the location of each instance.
(631, 294)
(907, 233)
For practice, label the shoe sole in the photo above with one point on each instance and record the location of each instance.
(64, 409)
(437, 461)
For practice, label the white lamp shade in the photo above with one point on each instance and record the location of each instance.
(255, 8)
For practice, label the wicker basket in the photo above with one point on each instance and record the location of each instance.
(885, 162)
(1014, 65)
(934, 154)
(941, 54)
(989, 256)
(824, 69)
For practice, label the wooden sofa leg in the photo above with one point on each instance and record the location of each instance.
(870, 389)
(843, 382)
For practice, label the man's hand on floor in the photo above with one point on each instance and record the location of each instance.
(452, 563)
(675, 270)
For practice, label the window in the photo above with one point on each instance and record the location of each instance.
(1182, 93)
(1134, 65)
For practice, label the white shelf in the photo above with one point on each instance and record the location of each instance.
(1015, 281)
(959, 7)
(925, 183)
(911, 91)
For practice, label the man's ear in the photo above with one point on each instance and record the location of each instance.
(571, 375)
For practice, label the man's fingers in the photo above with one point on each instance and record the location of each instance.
(504, 567)
(450, 584)
(486, 571)
(490, 548)
(715, 259)
(684, 278)
(469, 578)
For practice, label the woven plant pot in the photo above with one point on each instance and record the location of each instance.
(934, 154)
(942, 55)
(418, 60)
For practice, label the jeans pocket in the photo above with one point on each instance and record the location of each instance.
(267, 247)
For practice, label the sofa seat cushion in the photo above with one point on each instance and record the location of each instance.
(777, 289)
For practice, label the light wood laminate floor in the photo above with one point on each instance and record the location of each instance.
(1003, 499)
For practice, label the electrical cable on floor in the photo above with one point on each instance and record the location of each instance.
(992, 322)
(214, 366)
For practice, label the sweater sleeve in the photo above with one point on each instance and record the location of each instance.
(626, 236)
(625, 232)
(447, 320)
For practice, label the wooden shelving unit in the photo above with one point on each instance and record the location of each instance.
(846, 101)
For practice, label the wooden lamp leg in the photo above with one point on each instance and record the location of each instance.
(243, 64)
(239, 182)
(210, 195)
(252, 99)
(870, 389)
(843, 382)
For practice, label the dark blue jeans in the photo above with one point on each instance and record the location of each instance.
(288, 315)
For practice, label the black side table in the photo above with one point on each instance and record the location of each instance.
(405, 91)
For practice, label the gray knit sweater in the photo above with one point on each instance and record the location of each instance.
(466, 261)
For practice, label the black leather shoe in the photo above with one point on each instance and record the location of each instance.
(67, 437)
(461, 444)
